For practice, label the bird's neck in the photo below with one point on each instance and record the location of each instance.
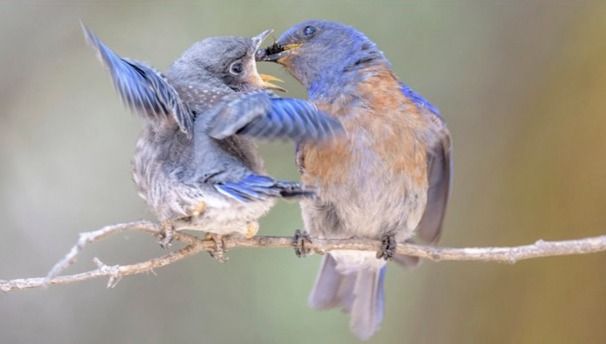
(346, 81)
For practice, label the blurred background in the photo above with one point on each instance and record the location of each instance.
(521, 84)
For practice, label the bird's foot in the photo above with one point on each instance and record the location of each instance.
(167, 235)
(198, 209)
(388, 246)
(219, 252)
(298, 242)
(251, 230)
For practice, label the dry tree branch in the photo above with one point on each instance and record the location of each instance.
(195, 245)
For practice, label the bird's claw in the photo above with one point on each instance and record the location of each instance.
(198, 209)
(219, 252)
(251, 230)
(167, 235)
(298, 242)
(388, 247)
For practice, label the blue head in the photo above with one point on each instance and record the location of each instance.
(318, 52)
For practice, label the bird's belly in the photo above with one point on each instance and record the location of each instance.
(193, 206)
(375, 207)
(367, 194)
(227, 217)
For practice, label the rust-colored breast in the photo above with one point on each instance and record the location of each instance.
(384, 124)
(398, 125)
(325, 163)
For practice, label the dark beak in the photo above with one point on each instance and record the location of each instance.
(271, 53)
(275, 52)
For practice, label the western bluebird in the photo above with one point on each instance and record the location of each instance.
(386, 178)
(195, 164)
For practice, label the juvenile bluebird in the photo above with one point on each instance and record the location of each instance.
(387, 178)
(195, 164)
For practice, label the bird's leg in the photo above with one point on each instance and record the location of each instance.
(298, 242)
(388, 246)
(167, 235)
(219, 252)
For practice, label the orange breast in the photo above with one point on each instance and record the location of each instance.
(385, 124)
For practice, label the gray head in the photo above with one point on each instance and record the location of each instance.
(230, 60)
(317, 50)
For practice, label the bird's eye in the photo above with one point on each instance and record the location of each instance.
(235, 68)
(308, 31)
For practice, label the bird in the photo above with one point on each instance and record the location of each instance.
(386, 178)
(195, 163)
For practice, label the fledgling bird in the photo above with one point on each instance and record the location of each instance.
(386, 178)
(195, 164)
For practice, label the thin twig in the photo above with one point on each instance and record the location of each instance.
(115, 272)
(90, 237)
(195, 245)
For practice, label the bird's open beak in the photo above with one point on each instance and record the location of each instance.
(258, 39)
(266, 80)
(268, 84)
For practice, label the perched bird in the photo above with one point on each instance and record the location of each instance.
(386, 178)
(195, 164)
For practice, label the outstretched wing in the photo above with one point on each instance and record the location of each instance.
(261, 115)
(143, 89)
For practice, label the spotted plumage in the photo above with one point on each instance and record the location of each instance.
(195, 163)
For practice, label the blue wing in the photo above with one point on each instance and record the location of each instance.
(143, 89)
(295, 119)
(255, 188)
(262, 115)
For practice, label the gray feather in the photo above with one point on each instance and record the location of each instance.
(358, 293)
(440, 168)
(367, 310)
(324, 294)
(231, 116)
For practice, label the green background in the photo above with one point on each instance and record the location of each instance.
(521, 84)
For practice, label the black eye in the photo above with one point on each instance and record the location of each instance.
(308, 31)
(235, 68)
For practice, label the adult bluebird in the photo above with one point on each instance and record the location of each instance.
(195, 164)
(387, 178)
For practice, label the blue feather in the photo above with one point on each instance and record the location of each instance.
(231, 192)
(255, 188)
(299, 119)
(250, 188)
(141, 88)
(262, 115)
(418, 99)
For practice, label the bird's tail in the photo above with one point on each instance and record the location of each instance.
(358, 292)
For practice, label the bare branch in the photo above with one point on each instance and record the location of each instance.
(89, 237)
(114, 272)
(195, 245)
